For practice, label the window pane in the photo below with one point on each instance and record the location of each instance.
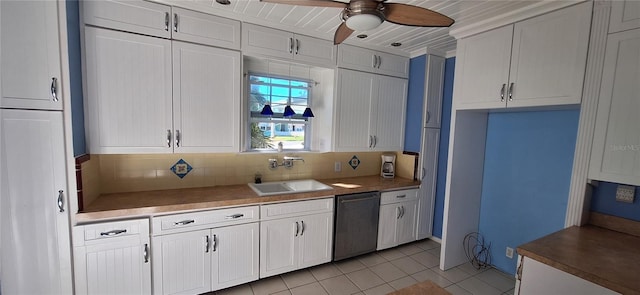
(299, 92)
(279, 100)
(280, 91)
(299, 101)
(299, 84)
(279, 81)
(259, 79)
(260, 89)
(257, 102)
(268, 135)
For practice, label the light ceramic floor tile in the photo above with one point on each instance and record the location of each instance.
(409, 265)
(310, 289)
(391, 254)
(453, 274)
(427, 259)
(365, 279)
(285, 292)
(457, 290)
(435, 252)
(387, 271)
(429, 275)
(497, 279)
(237, 290)
(371, 259)
(349, 265)
(268, 286)
(427, 244)
(379, 290)
(325, 271)
(340, 285)
(402, 282)
(298, 278)
(510, 292)
(476, 286)
(470, 269)
(409, 249)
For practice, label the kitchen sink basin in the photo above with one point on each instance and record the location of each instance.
(288, 187)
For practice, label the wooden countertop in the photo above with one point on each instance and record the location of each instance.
(605, 257)
(149, 203)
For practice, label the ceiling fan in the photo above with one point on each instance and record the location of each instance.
(363, 15)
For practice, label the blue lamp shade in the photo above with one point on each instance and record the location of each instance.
(288, 111)
(266, 110)
(308, 113)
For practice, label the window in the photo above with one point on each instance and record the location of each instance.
(266, 131)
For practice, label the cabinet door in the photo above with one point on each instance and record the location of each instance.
(129, 92)
(429, 173)
(205, 29)
(625, 15)
(393, 65)
(278, 246)
(182, 263)
(353, 108)
(235, 255)
(356, 58)
(35, 242)
(30, 55)
(314, 51)
(389, 109)
(206, 98)
(434, 91)
(136, 16)
(315, 239)
(482, 69)
(389, 215)
(406, 229)
(616, 143)
(265, 41)
(549, 57)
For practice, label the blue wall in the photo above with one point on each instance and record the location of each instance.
(75, 73)
(443, 152)
(604, 201)
(415, 98)
(527, 172)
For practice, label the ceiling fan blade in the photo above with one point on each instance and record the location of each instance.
(342, 33)
(318, 3)
(404, 14)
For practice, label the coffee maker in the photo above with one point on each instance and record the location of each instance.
(387, 170)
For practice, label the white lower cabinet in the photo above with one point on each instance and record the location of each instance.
(112, 258)
(397, 223)
(182, 263)
(300, 238)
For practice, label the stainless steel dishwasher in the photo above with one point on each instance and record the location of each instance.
(356, 224)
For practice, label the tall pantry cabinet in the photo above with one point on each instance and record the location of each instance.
(34, 182)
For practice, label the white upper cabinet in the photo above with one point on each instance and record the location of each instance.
(163, 21)
(434, 91)
(357, 58)
(263, 41)
(370, 111)
(543, 64)
(30, 55)
(616, 142)
(625, 15)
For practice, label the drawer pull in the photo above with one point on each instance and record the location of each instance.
(401, 196)
(113, 232)
(145, 253)
(184, 222)
(234, 216)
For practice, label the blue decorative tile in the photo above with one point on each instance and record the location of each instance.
(181, 168)
(354, 162)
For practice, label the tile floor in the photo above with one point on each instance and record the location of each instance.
(380, 273)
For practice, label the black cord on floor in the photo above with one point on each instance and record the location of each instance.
(478, 253)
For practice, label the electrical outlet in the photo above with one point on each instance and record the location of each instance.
(337, 167)
(509, 252)
(625, 193)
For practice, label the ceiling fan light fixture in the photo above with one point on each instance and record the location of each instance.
(363, 22)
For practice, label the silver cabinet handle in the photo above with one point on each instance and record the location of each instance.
(177, 138)
(184, 222)
(511, 92)
(379, 61)
(114, 232)
(402, 211)
(54, 89)
(175, 22)
(374, 60)
(297, 228)
(370, 141)
(504, 86)
(166, 21)
(297, 46)
(206, 244)
(290, 45)
(234, 216)
(215, 243)
(168, 138)
(398, 217)
(428, 117)
(401, 196)
(145, 253)
(61, 200)
(375, 140)
(424, 172)
(302, 232)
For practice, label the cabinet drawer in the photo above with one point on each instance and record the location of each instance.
(299, 208)
(132, 16)
(206, 219)
(398, 196)
(109, 231)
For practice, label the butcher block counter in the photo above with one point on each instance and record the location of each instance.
(606, 252)
(150, 203)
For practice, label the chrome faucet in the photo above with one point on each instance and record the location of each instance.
(287, 161)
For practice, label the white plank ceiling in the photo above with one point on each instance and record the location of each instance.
(322, 22)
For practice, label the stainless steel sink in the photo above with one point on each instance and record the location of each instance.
(288, 187)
